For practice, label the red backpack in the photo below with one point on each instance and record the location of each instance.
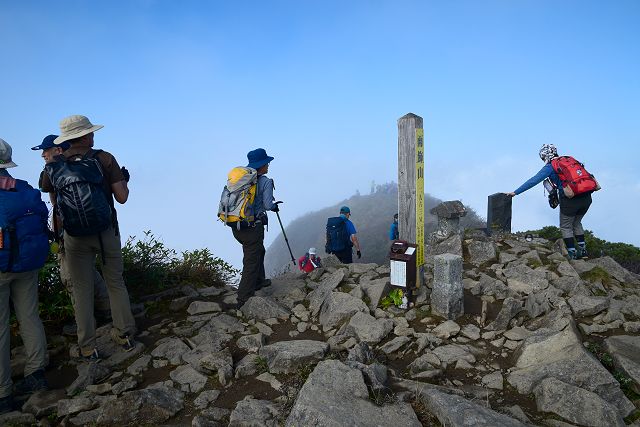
(574, 177)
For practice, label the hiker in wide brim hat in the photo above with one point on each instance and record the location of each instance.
(251, 236)
(75, 126)
(5, 155)
(258, 158)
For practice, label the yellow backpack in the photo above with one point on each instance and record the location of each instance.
(236, 201)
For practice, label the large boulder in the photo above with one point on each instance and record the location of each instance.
(261, 308)
(510, 309)
(456, 411)
(583, 306)
(287, 290)
(615, 270)
(367, 328)
(153, 405)
(336, 395)
(561, 355)
(324, 289)
(481, 252)
(172, 349)
(524, 279)
(253, 412)
(625, 351)
(287, 356)
(374, 290)
(575, 404)
(338, 308)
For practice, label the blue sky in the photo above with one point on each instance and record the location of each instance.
(185, 89)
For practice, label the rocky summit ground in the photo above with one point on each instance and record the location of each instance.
(543, 341)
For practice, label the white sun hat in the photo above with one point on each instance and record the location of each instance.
(73, 127)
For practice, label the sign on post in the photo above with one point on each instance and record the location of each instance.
(411, 186)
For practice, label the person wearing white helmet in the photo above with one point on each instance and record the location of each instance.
(574, 201)
(309, 261)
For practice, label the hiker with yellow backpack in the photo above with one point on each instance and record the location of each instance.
(244, 203)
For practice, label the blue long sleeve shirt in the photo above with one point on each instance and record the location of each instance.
(393, 231)
(264, 196)
(546, 172)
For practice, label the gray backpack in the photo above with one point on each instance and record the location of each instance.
(236, 201)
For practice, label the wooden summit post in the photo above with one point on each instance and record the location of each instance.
(411, 186)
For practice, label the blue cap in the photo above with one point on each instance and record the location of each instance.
(47, 142)
(345, 210)
(258, 158)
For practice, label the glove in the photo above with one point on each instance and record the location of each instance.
(126, 174)
(359, 254)
(275, 208)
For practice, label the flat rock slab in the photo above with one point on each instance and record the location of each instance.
(261, 308)
(43, 403)
(625, 350)
(481, 252)
(583, 306)
(190, 380)
(17, 418)
(575, 404)
(287, 356)
(253, 412)
(453, 352)
(153, 405)
(171, 349)
(200, 307)
(561, 355)
(335, 395)
(456, 411)
(524, 279)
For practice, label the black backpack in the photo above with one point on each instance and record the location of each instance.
(81, 199)
(338, 238)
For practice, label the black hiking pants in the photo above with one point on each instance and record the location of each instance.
(346, 256)
(252, 241)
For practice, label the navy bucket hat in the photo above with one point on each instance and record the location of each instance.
(47, 142)
(258, 158)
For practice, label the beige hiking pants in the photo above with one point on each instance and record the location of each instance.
(22, 290)
(80, 258)
(100, 294)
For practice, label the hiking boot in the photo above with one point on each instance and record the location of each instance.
(6, 404)
(264, 284)
(582, 253)
(32, 383)
(93, 357)
(128, 344)
(572, 254)
(70, 330)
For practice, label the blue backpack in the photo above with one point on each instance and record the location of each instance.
(338, 238)
(24, 240)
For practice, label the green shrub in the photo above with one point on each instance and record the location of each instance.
(55, 301)
(199, 267)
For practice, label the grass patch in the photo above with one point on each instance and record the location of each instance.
(533, 263)
(262, 365)
(596, 274)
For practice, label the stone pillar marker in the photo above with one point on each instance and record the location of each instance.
(449, 214)
(499, 213)
(447, 296)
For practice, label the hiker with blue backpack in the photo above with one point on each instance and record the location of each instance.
(100, 294)
(568, 178)
(83, 184)
(394, 234)
(341, 237)
(244, 203)
(24, 248)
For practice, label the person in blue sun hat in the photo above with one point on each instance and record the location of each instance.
(252, 238)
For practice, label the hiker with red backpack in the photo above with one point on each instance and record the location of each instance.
(24, 248)
(574, 185)
(309, 261)
(83, 184)
(244, 203)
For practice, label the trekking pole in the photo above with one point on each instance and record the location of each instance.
(293, 260)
